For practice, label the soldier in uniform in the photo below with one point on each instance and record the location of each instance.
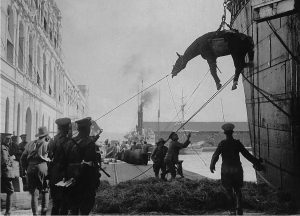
(171, 158)
(14, 148)
(158, 156)
(6, 180)
(57, 169)
(83, 167)
(232, 171)
(21, 148)
(34, 159)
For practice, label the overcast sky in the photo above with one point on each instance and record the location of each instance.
(111, 45)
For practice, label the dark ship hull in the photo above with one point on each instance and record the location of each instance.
(275, 135)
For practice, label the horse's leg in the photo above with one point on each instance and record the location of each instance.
(212, 62)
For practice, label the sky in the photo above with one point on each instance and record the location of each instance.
(112, 45)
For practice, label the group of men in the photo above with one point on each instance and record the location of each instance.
(166, 159)
(66, 166)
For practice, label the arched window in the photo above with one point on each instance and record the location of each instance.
(10, 36)
(30, 56)
(21, 46)
(38, 69)
(18, 120)
(44, 71)
(7, 116)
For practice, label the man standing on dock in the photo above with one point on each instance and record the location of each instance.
(57, 170)
(158, 156)
(232, 171)
(171, 158)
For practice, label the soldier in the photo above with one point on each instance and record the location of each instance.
(6, 178)
(158, 156)
(171, 158)
(21, 148)
(57, 169)
(34, 159)
(232, 171)
(14, 148)
(83, 167)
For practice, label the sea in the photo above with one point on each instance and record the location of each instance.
(199, 163)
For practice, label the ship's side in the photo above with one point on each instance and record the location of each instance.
(274, 133)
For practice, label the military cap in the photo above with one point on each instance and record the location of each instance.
(161, 140)
(63, 121)
(84, 122)
(8, 135)
(228, 127)
(23, 135)
(43, 131)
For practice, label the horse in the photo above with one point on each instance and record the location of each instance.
(216, 44)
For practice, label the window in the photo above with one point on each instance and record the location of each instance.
(30, 56)
(44, 72)
(7, 116)
(21, 46)
(10, 36)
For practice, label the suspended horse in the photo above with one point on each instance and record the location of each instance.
(216, 44)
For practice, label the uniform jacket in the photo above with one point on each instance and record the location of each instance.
(5, 160)
(21, 149)
(230, 149)
(173, 151)
(58, 157)
(32, 155)
(159, 154)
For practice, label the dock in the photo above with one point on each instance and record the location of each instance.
(121, 171)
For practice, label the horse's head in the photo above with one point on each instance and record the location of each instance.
(179, 65)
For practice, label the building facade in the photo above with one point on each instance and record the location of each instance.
(35, 87)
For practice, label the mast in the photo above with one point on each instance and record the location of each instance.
(158, 113)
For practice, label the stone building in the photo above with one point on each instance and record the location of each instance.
(35, 87)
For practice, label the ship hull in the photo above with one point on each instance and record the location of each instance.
(274, 133)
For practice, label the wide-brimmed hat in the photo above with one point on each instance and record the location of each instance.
(63, 121)
(23, 135)
(228, 127)
(161, 141)
(43, 131)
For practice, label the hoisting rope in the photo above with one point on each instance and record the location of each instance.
(265, 96)
(207, 102)
(223, 22)
(153, 84)
(282, 42)
(204, 105)
(141, 173)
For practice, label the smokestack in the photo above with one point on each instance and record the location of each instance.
(140, 114)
